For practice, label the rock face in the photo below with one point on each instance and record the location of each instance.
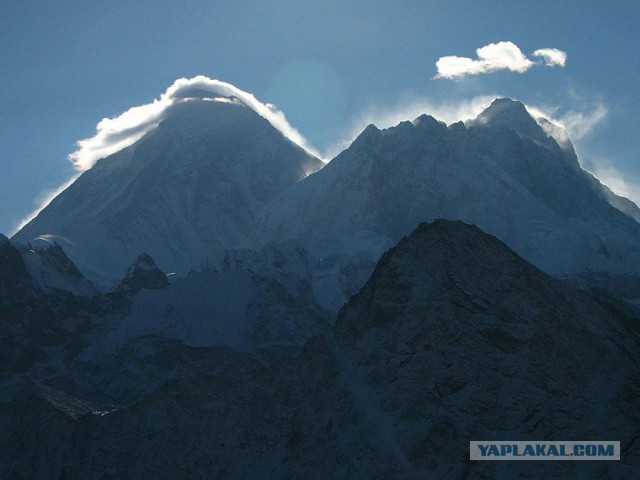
(453, 338)
(144, 273)
(14, 277)
(51, 269)
(458, 338)
(34, 317)
(192, 186)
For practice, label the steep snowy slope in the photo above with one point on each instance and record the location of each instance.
(501, 171)
(51, 269)
(192, 186)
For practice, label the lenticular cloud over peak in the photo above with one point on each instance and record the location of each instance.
(114, 134)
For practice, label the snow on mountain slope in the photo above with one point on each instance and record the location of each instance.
(457, 338)
(51, 269)
(143, 274)
(501, 171)
(453, 338)
(191, 186)
(507, 113)
(289, 263)
(236, 309)
(215, 176)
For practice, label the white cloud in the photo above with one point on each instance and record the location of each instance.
(504, 55)
(114, 134)
(552, 56)
(496, 56)
(581, 123)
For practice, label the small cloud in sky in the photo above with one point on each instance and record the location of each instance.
(114, 134)
(497, 56)
(552, 56)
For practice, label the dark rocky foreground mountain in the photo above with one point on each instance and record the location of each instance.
(453, 338)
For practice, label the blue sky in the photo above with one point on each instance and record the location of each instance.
(330, 66)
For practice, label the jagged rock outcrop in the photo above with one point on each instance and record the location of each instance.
(144, 273)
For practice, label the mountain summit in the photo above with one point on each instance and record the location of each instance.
(215, 175)
(501, 171)
(458, 338)
(191, 186)
(508, 113)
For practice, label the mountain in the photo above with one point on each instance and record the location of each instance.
(501, 171)
(214, 176)
(454, 337)
(458, 338)
(192, 186)
(51, 269)
(287, 325)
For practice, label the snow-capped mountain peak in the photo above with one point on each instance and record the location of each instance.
(427, 121)
(507, 113)
(189, 187)
(501, 171)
